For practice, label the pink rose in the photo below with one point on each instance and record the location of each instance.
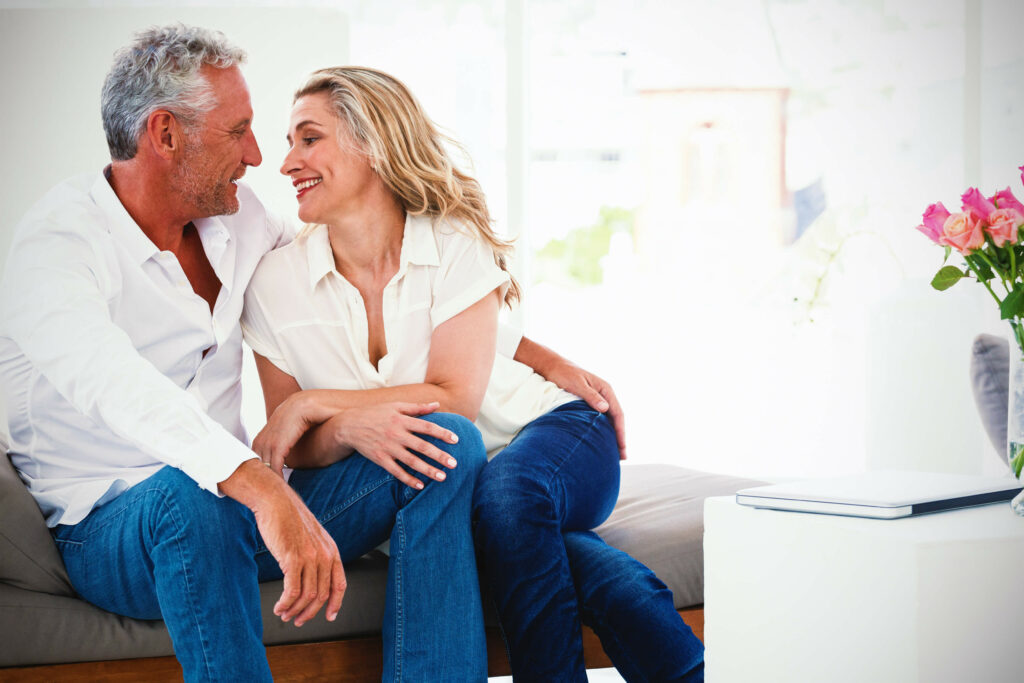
(1003, 225)
(1021, 174)
(975, 202)
(1004, 199)
(934, 218)
(963, 232)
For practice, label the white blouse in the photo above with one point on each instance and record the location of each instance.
(309, 321)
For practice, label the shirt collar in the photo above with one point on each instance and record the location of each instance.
(418, 248)
(125, 230)
(212, 231)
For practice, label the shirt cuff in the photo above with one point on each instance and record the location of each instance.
(215, 459)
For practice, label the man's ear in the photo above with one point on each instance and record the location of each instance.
(164, 133)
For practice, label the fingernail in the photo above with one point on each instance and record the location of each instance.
(451, 462)
(439, 476)
(603, 405)
(454, 438)
(332, 616)
(419, 485)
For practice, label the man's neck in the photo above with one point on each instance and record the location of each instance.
(144, 196)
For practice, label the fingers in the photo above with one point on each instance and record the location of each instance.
(292, 592)
(593, 397)
(338, 586)
(417, 408)
(437, 431)
(388, 463)
(619, 422)
(277, 463)
(317, 594)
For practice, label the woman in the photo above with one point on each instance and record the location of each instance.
(393, 294)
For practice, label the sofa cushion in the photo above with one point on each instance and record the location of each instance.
(659, 520)
(36, 628)
(990, 380)
(28, 556)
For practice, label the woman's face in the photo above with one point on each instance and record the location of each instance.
(329, 173)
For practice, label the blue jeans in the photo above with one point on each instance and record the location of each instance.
(534, 506)
(167, 549)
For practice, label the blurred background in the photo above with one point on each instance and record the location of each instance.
(714, 200)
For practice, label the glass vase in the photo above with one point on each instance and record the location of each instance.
(1015, 420)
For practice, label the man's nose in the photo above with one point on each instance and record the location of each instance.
(252, 155)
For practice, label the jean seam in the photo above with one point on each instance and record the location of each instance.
(399, 595)
(354, 498)
(188, 583)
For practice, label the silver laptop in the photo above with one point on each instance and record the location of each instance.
(884, 494)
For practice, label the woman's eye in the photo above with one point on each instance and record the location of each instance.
(309, 141)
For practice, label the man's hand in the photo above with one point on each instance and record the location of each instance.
(306, 553)
(595, 391)
(388, 435)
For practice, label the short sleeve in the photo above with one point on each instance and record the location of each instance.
(467, 273)
(257, 331)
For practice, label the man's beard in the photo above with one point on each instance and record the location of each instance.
(197, 183)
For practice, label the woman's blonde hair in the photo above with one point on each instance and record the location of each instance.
(407, 151)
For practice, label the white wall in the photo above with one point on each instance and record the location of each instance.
(53, 63)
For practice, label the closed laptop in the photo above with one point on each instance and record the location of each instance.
(883, 494)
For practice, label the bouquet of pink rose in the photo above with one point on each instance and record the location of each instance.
(987, 234)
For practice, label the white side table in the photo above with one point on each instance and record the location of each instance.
(805, 598)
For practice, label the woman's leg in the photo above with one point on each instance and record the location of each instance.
(561, 472)
(633, 613)
(433, 622)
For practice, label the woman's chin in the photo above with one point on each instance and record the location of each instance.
(307, 216)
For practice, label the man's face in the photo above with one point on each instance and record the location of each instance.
(216, 152)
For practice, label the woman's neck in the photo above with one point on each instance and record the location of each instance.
(367, 239)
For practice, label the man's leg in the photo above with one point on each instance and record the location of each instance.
(632, 612)
(433, 622)
(166, 548)
(560, 472)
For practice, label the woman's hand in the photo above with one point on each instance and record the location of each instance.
(567, 375)
(388, 434)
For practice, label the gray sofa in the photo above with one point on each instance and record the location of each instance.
(658, 519)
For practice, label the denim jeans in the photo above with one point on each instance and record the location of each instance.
(167, 549)
(534, 506)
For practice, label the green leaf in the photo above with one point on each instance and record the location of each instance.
(980, 268)
(949, 250)
(947, 277)
(1016, 458)
(1013, 305)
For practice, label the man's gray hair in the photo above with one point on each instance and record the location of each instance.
(160, 70)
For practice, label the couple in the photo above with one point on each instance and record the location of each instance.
(120, 354)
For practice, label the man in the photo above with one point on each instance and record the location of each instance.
(120, 361)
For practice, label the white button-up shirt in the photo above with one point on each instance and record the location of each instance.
(102, 342)
(307, 319)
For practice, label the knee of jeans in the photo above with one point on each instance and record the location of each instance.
(469, 451)
(509, 496)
